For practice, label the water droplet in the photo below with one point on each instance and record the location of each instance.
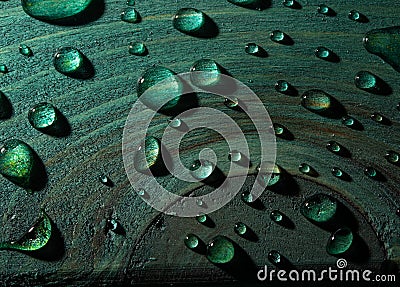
(392, 157)
(112, 225)
(212, 76)
(175, 123)
(398, 107)
(42, 116)
(36, 238)
(220, 250)
(277, 36)
(365, 80)
(319, 207)
(202, 218)
(305, 168)
(289, 3)
(192, 241)
(398, 212)
(348, 121)
(130, 2)
(17, 162)
(355, 16)
(323, 53)
(282, 86)
(104, 179)
(324, 10)
(201, 169)
(235, 156)
(275, 176)
(247, 197)
(377, 117)
(49, 10)
(334, 147)
(162, 81)
(252, 49)
(199, 202)
(232, 103)
(337, 172)
(130, 15)
(276, 216)
(370, 172)
(25, 50)
(141, 192)
(240, 228)
(137, 49)
(71, 62)
(189, 20)
(384, 43)
(148, 155)
(3, 69)
(274, 257)
(316, 101)
(340, 241)
(279, 129)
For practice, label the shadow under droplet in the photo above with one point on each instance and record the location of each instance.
(208, 223)
(241, 267)
(163, 164)
(6, 109)
(61, 127)
(93, 12)
(255, 5)
(358, 252)
(379, 176)
(286, 134)
(335, 111)
(333, 57)
(207, 31)
(345, 176)
(256, 204)
(296, 5)
(261, 53)
(201, 248)
(54, 250)
(286, 222)
(357, 125)
(291, 91)
(86, 71)
(287, 40)
(286, 185)
(215, 179)
(38, 179)
(250, 235)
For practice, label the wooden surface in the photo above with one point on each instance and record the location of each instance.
(152, 248)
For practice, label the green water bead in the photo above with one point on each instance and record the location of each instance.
(210, 76)
(130, 2)
(140, 192)
(104, 179)
(42, 116)
(232, 103)
(354, 15)
(276, 175)
(316, 101)
(333, 146)
(348, 121)
(25, 50)
(385, 43)
(130, 15)
(220, 250)
(276, 216)
(323, 53)
(337, 172)
(201, 169)
(137, 49)
(36, 237)
(392, 157)
(175, 123)
(289, 3)
(282, 86)
(252, 48)
(377, 117)
(202, 218)
(277, 36)
(323, 9)
(365, 80)
(235, 156)
(191, 241)
(370, 172)
(340, 241)
(319, 207)
(279, 129)
(148, 154)
(3, 69)
(398, 107)
(68, 60)
(240, 228)
(17, 162)
(189, 20)
(305, 168)
(50, 10)
(247, 197)
(274, 257)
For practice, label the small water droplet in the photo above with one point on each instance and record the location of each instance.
(337, 172)
(370, 172)
(240, 228)
(49, 10)
(348, 121)
(220, 250)
(275, 176)
(201, 169)
(398, 107)
(148, 154)
(36, 237)
(250, 4)
(42, 116)
(277, 36)
(140, 191)
(130, 2)
(279, 129)
(111, 225)
(289, 3)
(189, 20)
(305, 168)
(130, 15)
(71, 62)
(334, 147)
(319, 207)
(199, 202)
(25, 50)
(324, 10)
(377, 117)
(212, 76)
(276, 216)
(252, 49)
(392, 157)
(247, 197)
(274, 257)
(323, 53)
(340, 241)
(175, 123)
(384, 43)
(202, 218)
(354, 15)
(235, 156)
(3, 69)
(137, 49)
(232, 103)
(104, 179)
(282, 86)
(192, 241)
(398, 212)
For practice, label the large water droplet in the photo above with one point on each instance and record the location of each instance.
(340, 241)
(130, 15)
(201, 169)
(137, 49)
(240, 228)
(161, 81)
(50, 10)
(192, 241)
(25, 50)
(385, 43)
(212, 76)
(220, 250)
(17, 162)
(320, 102)
(71, 62)
(319, 207)
(42, 116)
(189, 21)
(148, 155)
(36, 238)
